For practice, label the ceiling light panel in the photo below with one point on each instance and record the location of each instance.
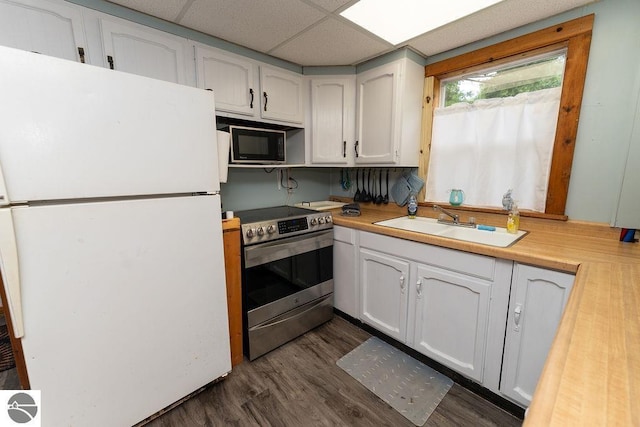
(400, 20)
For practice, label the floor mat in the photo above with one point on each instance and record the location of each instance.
(407, 385)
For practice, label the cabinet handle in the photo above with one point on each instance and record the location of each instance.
(251, 102)
(356, 148)
(81, 54)
(419, 288)
(516, 316)
(110, 61)
(402, 283)
(266, 99)
(344, 148)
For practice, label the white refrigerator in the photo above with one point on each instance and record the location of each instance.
(110, 238)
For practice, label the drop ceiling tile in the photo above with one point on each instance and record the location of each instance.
(259, 25)
(332, 42)
(165, 9)
(330, 5)
(489, 22)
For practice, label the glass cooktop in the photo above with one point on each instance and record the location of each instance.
(272, 213)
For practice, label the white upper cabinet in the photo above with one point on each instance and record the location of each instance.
(332, 120)
(232, 79)
(53, 29)
(144, 51)
(249, 90)
(389, 105)
(281, 95)
(537, 301)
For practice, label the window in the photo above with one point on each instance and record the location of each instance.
(511, 58)
(543, 71)
(494, 131)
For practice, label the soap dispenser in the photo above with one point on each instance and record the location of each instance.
(513, 221)
(412, 206)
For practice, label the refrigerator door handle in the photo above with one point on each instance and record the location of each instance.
(11, 271)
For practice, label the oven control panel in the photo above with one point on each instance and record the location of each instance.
(264, 231)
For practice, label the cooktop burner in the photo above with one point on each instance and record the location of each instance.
(266, 224)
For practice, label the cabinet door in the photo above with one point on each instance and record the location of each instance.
(626, 215)
(332, 120)
(53, 29)
(377, 98)
(232, 80)
(383, 291)
(281, 97)
(538, 297)
(345, 285)
(140, 50)
(452, 311)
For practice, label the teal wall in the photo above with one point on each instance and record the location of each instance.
(255, 188)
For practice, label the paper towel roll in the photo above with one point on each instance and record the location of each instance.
(223, 155)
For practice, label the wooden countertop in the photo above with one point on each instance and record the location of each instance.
(592, 373)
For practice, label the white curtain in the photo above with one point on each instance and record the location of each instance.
(492, 145)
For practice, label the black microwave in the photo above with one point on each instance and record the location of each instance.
(257, 146)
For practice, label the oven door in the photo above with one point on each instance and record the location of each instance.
(282, 275)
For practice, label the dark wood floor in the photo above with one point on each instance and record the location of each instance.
(300, 384)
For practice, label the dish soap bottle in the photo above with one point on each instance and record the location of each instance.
(513, 221)
(412, 206)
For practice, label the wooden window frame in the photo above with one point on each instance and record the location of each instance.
(576, 36)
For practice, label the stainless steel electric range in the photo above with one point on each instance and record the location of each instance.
(287, 275)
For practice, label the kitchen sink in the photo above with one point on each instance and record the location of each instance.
(499, 238)
(418, 224)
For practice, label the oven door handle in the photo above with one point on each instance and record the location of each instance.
(281, 249)
(295, 313)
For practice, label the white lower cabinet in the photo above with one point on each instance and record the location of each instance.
(452, 314)
(538, 298)
(345, 279)
(449, 305)
(384, 293)
(489, 319)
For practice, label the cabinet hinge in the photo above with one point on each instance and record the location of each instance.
(81, 54)
(110, 61)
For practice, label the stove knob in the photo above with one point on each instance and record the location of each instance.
(251, 232)
(314, 221)
(329, 219)
(260, 231)
(321, 220)
(271, 229)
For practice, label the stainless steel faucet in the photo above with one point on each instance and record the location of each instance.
(455, 219)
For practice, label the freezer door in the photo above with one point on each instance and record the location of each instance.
(124, 305)
(71, 131)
